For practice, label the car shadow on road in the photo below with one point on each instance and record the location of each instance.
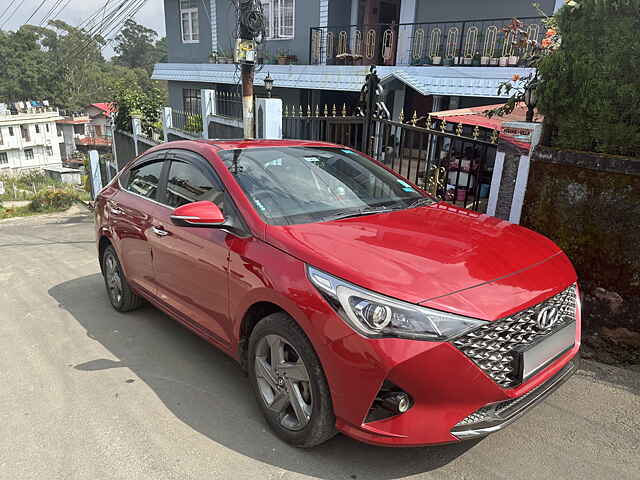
(208, 391)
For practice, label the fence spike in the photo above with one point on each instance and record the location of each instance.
(286, 110)
(494, 136)
(476, 132)
(429, 121)
(309, 113)
(344, 109)
(459, 129)
(414, 118)
(443, 126)
(402, 115)
(317, 110)
(326, 110)
(333, 110)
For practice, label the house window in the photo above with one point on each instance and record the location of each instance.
(78, 129)
(50, 151)
(1, 139)
(24, 130)
(46, 126)
(279, 18)
(28, 153)
(37, 128)
(4, 159)
(11, 131)
(191, 101)
(189, 21)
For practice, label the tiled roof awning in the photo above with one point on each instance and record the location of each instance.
(463, 81)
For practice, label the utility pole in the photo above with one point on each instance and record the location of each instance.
(251, 32)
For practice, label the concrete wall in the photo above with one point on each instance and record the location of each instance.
(439, 11)
(188, 52)
(589, 204)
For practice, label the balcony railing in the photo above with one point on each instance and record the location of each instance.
(470, 42)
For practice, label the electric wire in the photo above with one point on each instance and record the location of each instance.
(11, 14)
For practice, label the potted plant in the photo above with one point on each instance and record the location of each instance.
(477, 60)
(457, 60)
(436, 60)
(504, 61)
(448, 61)
(292, 59)
(283, 57)
(494, 61)
(513, 60)
(467, 60)
(213, 56)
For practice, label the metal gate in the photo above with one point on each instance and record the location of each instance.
(451, 161)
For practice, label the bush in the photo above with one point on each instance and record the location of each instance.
(590, 94)
(54, 199)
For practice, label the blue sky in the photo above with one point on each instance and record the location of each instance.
(151, 15)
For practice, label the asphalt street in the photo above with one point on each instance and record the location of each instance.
(88, 393)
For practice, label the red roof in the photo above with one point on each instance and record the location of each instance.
(476, 116)
(107, 108)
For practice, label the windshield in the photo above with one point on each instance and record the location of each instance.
(289, 185)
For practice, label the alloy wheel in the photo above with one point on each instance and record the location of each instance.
(283, 382)
(114, 280)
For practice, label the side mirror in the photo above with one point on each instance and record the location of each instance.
(198, 214)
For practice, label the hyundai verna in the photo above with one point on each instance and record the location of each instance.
(356, 302)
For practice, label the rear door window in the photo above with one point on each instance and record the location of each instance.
(144, 180)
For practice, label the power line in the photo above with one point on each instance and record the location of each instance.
(46, 16)
(35, 11)
(11, 14)
(7, 9)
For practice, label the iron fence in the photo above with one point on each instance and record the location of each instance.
(228, 104)
(451, 161)
(187, 122)
(484, 42)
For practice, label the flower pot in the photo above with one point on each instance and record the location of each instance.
(448, 61)
(456, 60)
(513, 60)
(282, 60)
(484, 60)
(436, 60)
(475, 62)
(494, 61)
(504, 61)
(468, 61)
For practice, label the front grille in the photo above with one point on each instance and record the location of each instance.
(493, 346)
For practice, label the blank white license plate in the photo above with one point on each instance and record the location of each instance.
(548, 349)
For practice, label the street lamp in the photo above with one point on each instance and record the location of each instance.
(268, 84)
(530, 99)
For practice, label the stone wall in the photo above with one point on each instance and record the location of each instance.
(589, 204)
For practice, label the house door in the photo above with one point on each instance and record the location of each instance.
(379, 20)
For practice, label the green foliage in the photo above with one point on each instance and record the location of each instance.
(193, 123)
(132, 99)
(54, 199)
(138, 47)
(590, 91)
(64, 65)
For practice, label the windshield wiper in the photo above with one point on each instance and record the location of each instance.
(422, 201)
(358, 213)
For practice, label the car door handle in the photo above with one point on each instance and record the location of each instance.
(114, 210)
(161, 232)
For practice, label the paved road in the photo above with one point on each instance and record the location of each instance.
(87, 393)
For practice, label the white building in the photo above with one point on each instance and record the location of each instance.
(29, 138)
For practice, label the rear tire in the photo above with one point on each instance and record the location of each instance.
(120, 294)
(289, 383)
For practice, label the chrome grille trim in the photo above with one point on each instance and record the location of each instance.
(493, 346)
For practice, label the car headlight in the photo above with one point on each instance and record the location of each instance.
(375, 315)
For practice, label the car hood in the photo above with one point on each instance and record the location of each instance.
(421, 254)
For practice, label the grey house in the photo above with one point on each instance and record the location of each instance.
(431, 54)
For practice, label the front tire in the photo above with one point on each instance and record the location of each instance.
(120, 294)
(289, 383)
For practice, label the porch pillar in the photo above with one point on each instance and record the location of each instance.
(511, 169)
(405, 33)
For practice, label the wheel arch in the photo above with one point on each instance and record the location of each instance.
(252, 316)
(103, 243)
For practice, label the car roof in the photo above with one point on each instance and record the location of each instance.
(236, 144)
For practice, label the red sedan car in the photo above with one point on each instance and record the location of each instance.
(356, 302)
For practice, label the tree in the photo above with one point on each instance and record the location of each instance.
(137, 47)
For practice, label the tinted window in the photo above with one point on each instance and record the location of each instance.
(187, 184)
(144, 179)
